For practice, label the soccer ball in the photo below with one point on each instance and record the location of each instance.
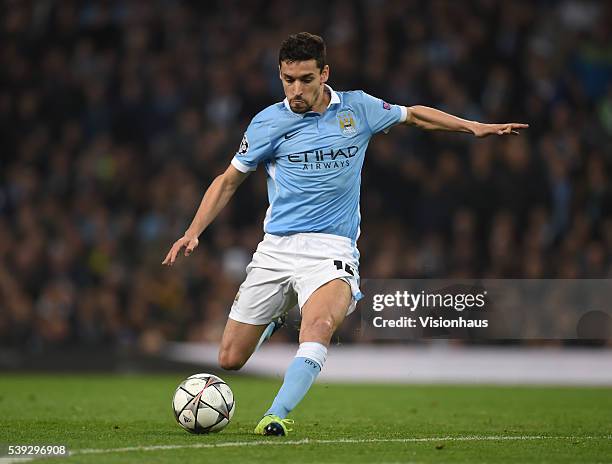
(203, 403)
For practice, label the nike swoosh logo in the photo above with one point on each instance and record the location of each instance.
(291, 135)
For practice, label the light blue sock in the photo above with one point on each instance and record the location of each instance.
(267, 333)
(300, 375)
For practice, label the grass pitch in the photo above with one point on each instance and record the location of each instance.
(128, 419)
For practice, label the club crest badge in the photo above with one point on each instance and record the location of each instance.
(348, 126)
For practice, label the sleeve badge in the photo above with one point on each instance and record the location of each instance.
(244, 145)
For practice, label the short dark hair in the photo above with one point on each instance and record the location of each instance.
(303, 46)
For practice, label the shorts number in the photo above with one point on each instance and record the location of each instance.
(339, 265)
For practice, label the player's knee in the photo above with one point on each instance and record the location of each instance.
(320, 328)
(230, 361)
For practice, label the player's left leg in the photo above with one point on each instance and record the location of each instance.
(321, 316)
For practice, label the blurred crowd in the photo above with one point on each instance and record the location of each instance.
(116, 115)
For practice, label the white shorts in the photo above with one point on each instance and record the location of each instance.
(286, 270)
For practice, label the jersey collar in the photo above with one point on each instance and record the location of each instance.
(335, 98)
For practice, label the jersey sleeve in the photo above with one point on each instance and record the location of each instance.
(254, 148)
(381, 115)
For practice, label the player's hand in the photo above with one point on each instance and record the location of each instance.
(189, 243)
(511, 128)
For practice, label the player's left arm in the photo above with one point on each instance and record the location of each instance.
(428, 118)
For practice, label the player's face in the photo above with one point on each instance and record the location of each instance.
(303, 83)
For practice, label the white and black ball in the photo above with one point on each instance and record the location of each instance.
(203, 403)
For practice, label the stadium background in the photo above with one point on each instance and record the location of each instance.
(115, 116)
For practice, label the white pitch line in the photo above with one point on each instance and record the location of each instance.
(14, 460)
(306, 441)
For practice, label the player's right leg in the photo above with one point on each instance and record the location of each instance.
(238, 343)
(264, 296)
(260, 303)
(271, 329)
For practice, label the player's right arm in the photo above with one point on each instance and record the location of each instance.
(254, 148)
(214, 200)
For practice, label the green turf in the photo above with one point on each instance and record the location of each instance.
(110, 411)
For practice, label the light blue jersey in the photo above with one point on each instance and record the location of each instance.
(313, 161)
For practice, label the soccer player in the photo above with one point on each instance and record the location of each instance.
(312, 146)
